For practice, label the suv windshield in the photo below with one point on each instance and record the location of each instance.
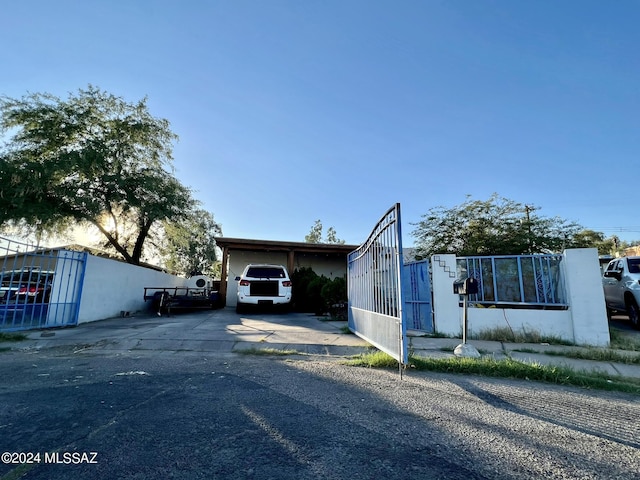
(634, 265)
(16, 277)
(265, 272)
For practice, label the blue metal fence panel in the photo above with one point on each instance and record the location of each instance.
(375, 288)
(39, 287)
(527, 280)
(416, 283)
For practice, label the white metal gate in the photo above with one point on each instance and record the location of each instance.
(374, 288)
(39, 287)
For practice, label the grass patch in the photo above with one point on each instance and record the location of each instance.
(331, 318)
(622, 341)
(619, 341)
(438, 335)
(599, 354)
(505, 334)
(12, 337)
(526, 350)
(505, 368)
(345, 329)
(267, 351)
(376, 359)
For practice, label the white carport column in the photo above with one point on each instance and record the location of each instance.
(446, 310)
(585, 295)
(224, 275)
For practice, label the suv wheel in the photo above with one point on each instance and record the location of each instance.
(634, 313)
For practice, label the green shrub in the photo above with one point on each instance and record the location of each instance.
(318, 294)
(314, 295)
(301, 278)
(334, 294)
(335, 291)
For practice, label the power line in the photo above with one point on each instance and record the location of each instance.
(618, 229)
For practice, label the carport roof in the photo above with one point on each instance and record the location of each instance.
(276, 245)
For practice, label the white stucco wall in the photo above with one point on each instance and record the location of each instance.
(446, 312)
(584, 322)
(556, 323)
(111, 287)
(586, 296)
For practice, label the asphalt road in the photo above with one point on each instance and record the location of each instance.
(189, 416)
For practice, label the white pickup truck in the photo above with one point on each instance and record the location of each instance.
(621, 282)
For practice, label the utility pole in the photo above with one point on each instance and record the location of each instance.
(527, 210)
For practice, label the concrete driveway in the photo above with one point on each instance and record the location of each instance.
(219, 331)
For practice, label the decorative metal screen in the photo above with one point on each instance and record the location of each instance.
(374, 286)
(533, 280)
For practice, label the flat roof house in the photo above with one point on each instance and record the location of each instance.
(325, 259)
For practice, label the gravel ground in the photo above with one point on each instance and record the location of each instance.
(185, 415)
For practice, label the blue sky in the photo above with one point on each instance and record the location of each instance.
(290, 111)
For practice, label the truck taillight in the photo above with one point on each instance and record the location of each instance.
(244, 283)
(286, 283)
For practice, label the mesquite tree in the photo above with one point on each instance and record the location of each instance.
(91, 159)
(497, 226)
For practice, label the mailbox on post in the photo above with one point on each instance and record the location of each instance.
(465, 286)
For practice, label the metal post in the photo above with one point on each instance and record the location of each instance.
(465, 349)
(400, 341)
(464, 320)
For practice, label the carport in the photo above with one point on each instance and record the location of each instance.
(325, 259)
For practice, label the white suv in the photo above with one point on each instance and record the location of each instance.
(621, 283)
(263, 285)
